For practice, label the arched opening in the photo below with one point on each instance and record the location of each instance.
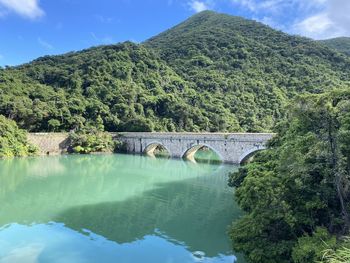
(157, 150)
(249, 157)
(202, 154)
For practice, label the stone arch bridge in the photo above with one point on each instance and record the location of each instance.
(230, 147)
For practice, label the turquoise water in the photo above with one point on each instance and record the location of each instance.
(114, 208)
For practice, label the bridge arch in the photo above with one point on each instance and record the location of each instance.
(151, 148)
(190, 152)
(230, 147)
(244, 158)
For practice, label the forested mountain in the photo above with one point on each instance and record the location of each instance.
(251, 66)
(342, 44)
(213, 72)
(123, 87)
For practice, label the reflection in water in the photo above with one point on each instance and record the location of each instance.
(207, 155)
(102, 208)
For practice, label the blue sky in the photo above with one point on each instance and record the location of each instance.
(33, 28)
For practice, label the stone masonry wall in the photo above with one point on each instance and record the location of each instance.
(231, 147)
(49, 143)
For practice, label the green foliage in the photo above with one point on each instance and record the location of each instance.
(310, 248)
(54, 124)
(90, 140)
(341, 44)
(123, 87)
(301, 183)
(247, 71)
(339, 255)
(13, 141)
(212, 73)
(139, 124)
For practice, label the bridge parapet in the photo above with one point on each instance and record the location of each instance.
(231, 147)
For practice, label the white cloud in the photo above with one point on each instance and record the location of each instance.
(25, 8)
(267, 20)
(248, 4)
(1, 56)
(29, 253)
(333, 21)
(317, 19)
(198, 6)
(257, 6)
(316, 26)
(45, 44)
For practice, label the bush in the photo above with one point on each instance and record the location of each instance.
(90, 140)
(13, 141)
(340, 255)
(309, 248)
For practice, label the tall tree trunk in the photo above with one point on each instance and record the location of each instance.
(338, 180)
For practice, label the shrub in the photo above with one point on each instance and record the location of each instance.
(13, 141)
(90, 140)
(340, 255)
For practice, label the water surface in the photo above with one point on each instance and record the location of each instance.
(114, 208)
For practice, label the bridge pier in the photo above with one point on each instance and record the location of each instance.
(231, 148)
(189, 155)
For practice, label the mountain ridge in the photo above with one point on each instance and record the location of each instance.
(341, 44)
(212, 72)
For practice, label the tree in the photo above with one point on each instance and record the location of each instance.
(338, 255)
(54, 124)
(13, 141)
(301, 183)
(90, 140)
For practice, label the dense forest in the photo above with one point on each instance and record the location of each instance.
(213, 72)
(341, 44)
(296, 194)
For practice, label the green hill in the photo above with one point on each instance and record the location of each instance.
(213, 72)
(342, 44)
(125, 86)
(249, 65)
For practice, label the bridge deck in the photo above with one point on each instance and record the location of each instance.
(231, 147)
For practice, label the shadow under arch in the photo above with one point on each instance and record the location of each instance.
(190, 153)
(157, 149)
(248, 156)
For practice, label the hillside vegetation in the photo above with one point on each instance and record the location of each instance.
(13, 141)
(213, 72)
(120, 87)
(341, 44)
(247, 67)
(296, 194)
